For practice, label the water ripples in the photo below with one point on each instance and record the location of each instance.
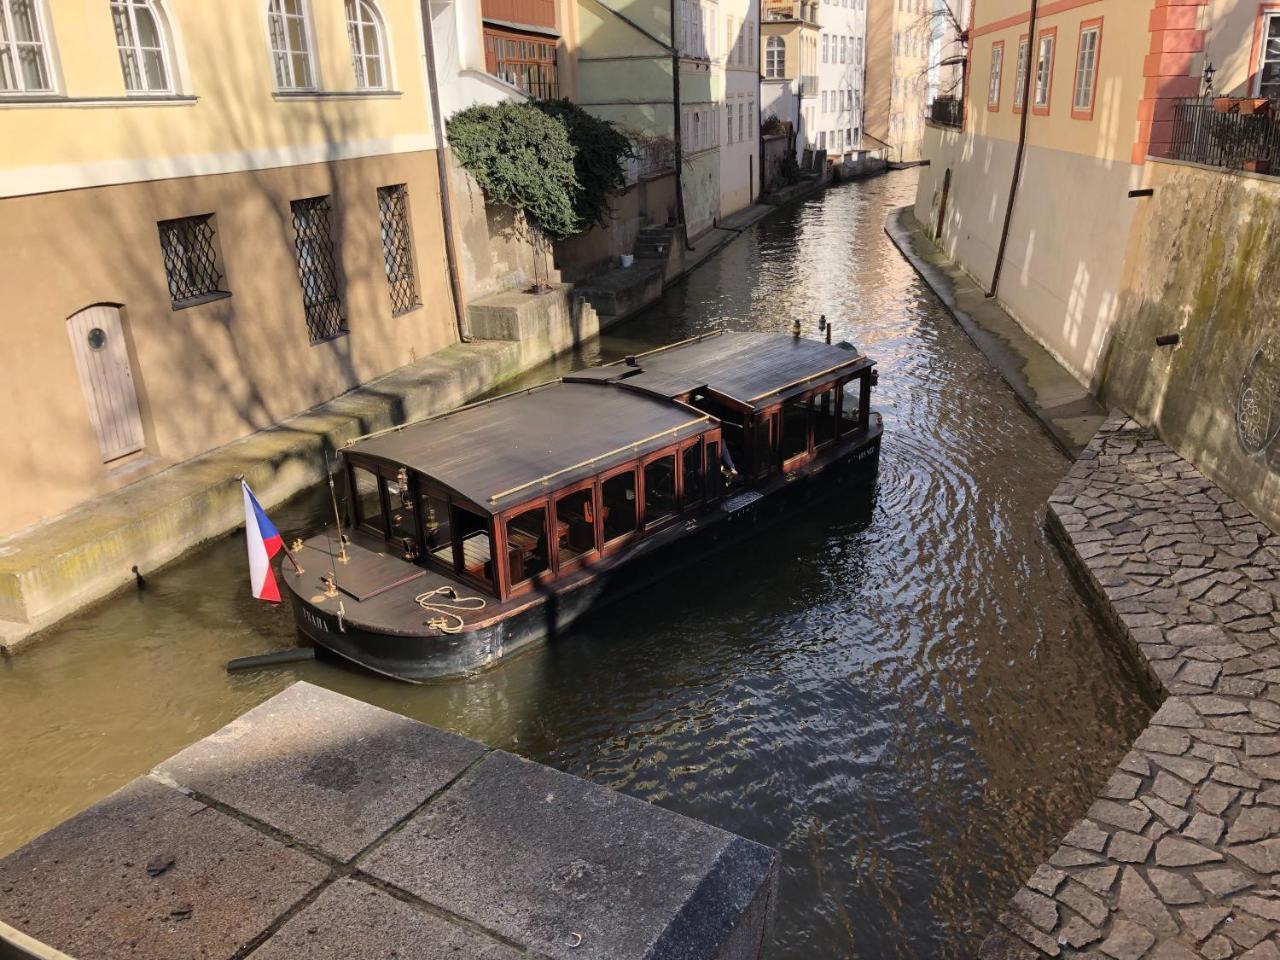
(902, 691)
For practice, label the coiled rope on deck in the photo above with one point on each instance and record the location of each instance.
(449, 611)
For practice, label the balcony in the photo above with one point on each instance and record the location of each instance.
(1227, 133)
(946, 112)
(523, 61)
(803, 10)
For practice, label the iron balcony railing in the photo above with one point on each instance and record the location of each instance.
(1232, 134)
(650, 160)
(947, 111)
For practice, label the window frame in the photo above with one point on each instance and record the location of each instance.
(646, 526)
(309, 35)
(597, 528)
(995, 78)
(43, 42)
(358, 57)
(355, 515)
(775, 58)
(165, 48)
(1039, 110)
(1078, 112)
(1267, 12)
(683, 502)
(502, 567)
(217, 266)
(622, 540)
(326, 247)
(797, 460)
(1022, 71)
(398, 212)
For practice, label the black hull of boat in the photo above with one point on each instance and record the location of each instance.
(419, 658)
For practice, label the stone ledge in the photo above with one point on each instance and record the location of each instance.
(320, 826)
(1179, 858)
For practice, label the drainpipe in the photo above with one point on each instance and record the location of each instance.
(442, 171)
(677, 128)
(1022, 149)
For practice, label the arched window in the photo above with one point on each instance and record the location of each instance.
(24, 55)
(143, 46)
(290, 35)
(775, 58)
(368, 44)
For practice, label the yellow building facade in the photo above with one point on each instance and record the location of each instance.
(214, 216)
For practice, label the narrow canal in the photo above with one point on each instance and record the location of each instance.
(908, 697)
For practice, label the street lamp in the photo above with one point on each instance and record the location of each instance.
(1209, 71)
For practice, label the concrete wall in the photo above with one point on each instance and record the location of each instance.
(775, 154)
(1203, 261)
(1065, 252)
(650, 201)
(495, 250)
(210, 373)
(701, 175)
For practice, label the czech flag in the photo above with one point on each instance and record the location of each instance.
(264, 542)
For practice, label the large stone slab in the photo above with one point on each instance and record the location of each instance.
(354, 920)
(317, 826)
(151, 873)
(332, 772)
(575, 870)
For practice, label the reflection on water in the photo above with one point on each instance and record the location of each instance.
(907, 697)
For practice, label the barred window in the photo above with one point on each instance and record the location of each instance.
(397, 248)
(24, 57)
(191, 260)
(317, 269)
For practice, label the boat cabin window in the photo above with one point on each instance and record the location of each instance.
(765, 446)
(826, 426)
(367, 497)
(795, 428)
(437, 532)
(660, 490)
(618, 505)
(528, 552)
(404, 525)
(732, 427)
(475, 545)
(715, 474)
(576, 525)
(855, 403)
(694, 474)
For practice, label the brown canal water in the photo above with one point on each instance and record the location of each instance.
(906, 696)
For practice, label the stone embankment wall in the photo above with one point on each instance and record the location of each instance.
(1179, 858)
(1203, 262)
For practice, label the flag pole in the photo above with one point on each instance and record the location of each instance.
(337, 516)
(287, 552)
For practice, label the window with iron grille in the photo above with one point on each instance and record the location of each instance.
(317, 269)
(191, 260)
(397, 248)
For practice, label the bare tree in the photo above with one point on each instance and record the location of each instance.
(943, 25)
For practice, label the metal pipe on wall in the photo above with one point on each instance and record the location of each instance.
(442, 172)
(1021, 152)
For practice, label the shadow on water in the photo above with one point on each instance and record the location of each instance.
(905, 695)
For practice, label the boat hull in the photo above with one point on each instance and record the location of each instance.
(430, 656)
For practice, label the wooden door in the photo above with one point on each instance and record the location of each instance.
(102, 361)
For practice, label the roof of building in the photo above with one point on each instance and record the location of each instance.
(500, 453)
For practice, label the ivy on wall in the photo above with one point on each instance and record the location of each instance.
(550, 160)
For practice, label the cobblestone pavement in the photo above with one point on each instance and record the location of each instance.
(1179, 857)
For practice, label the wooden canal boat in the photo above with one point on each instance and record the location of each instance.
(481, 532)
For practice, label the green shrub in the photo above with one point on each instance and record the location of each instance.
(522, 159)
(550, 160)
(599, 150)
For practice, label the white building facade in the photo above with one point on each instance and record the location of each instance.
(737, 81)
(842, 61)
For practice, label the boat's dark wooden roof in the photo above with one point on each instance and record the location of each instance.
(498, 454)
(752, 368)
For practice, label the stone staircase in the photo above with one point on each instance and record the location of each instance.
(654, 242)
